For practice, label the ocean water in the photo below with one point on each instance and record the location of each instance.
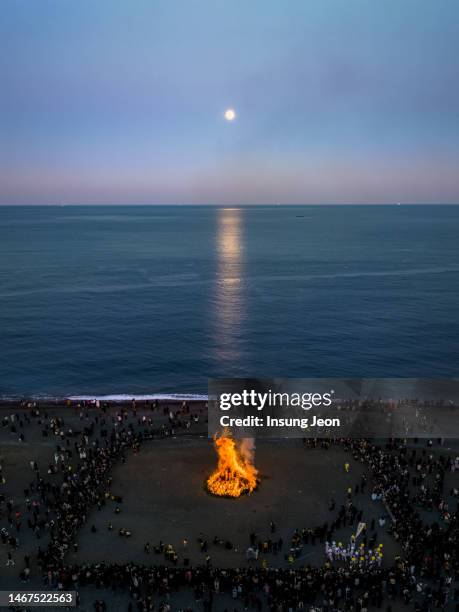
(144, 300)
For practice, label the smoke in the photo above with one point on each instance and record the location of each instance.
(247, 450)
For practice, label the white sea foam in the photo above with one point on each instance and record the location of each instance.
(123, 397)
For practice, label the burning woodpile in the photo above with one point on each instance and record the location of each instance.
(235, 474)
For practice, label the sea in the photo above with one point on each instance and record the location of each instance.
(155, 300)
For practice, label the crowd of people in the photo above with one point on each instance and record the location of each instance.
(408, 478)
(365, 557)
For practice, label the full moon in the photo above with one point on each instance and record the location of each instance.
(230, 114)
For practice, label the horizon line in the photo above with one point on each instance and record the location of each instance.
(220, 205)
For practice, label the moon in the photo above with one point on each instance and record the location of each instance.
(230, 114)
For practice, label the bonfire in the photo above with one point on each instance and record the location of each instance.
(235, 473)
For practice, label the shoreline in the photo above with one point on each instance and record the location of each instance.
(149, 402)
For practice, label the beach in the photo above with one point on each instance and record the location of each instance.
(146, 504)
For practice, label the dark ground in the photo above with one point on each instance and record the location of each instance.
(164, 499)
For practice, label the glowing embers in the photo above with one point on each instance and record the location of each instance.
(235, 474)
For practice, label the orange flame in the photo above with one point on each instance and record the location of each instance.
(235, 475)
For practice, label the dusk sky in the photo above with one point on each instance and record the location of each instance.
(336, 101)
